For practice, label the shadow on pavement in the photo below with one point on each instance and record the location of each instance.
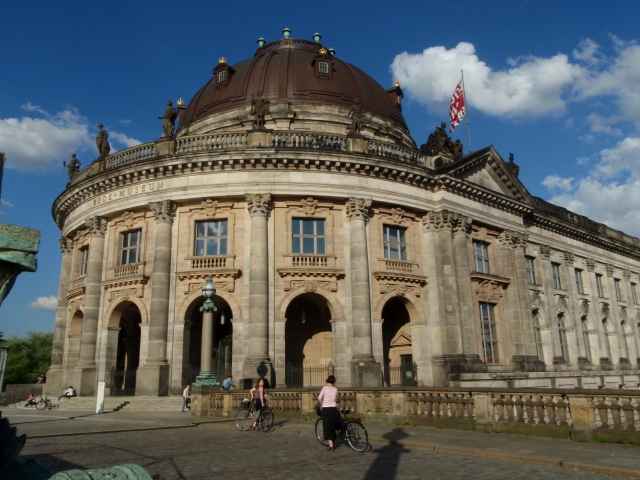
(388, 457)
(61, 419)
(51, 463)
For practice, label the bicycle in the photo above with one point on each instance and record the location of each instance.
(43, 403)
(354, 433)
(244, 417)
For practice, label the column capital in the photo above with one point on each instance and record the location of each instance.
(446, 220)
(259, 204)
(165, 211)
(97, 226)
(569, 259)
(66, 245)
(512, 240)
(545, 251)
(357, 208)
(609, 269)
(590, 263)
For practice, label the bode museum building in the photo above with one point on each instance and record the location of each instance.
(335, 243)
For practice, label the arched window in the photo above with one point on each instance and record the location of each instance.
(607, 342)
(625, 339)
(323, 67)
(587, 340)
(564, 345)
(537, 332)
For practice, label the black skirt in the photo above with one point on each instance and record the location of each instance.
(331, 421)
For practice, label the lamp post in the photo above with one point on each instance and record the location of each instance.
(206, 378)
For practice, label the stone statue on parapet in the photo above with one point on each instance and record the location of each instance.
(356, 114)
(169, 123)
(259, 108)
(439, 143)
(102, 142)
(73, 167)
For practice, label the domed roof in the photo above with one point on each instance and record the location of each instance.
(287, 70)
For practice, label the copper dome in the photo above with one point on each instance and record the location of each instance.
(284, 70)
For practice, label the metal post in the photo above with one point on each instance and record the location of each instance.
(466, 112)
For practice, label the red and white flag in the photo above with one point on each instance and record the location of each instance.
(457, 110)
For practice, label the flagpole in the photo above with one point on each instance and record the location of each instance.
(466, 108)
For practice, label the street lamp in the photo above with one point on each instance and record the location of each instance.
(205, 378)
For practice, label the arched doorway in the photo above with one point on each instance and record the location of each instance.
(127, 354)
(221, 354)
(308, 341)
(397, 350)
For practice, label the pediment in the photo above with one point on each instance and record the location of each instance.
(402, 339)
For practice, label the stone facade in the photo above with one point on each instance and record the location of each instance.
(446, 273)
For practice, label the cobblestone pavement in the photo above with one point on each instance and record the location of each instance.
(208, 452)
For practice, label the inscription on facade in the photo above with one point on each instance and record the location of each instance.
(127, 192)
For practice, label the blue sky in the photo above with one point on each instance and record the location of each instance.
(556, 83)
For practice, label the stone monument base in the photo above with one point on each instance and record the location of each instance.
(152, 380)
(254, 369)
(85, 380)
(365, 373)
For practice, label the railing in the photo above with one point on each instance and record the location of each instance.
(127, 270)
(309, 261)
(398, 265)
(400, 375)
(531, 409)
(211, 142)
(82, 174)
(450, 406)
(130, 155)
(217, 261)
(307, 376)
(316, 141)
(77, 283)
(396, 152)
(617, 412)
(123, 382)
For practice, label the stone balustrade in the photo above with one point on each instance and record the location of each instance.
(77, 283)
(130, 155)
(398, 265)
(309, 261)
(128, 270)
(198, 143)
(218, 261)
(318, 141)
(396, 152)
(604, 415)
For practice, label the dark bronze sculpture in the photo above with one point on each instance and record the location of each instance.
(356, 114)
(169, 123)
(439, 143)
(73, 167)
(102, 142)
(259, 108)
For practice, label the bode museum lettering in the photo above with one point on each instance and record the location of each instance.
(335, 242)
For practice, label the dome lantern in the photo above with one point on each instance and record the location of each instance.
(286, 32)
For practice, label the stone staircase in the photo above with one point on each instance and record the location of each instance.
(129, 404)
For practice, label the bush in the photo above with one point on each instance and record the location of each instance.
(29, 357)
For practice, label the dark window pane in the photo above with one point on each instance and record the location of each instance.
(307, 227)
(132, 255)
(212, 246)
(296, 227)
(403, 252)
(401, 233)
(320, 246)
(123, 257)
(212, 229)
(307, 245)
(201, 229)
(200, 248)
(393, 251)
(223, 227)
(223, 246)
(295, 247)
(320, 227)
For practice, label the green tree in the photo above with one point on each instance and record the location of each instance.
(29, 357)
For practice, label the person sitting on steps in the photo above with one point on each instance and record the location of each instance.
(30, 401)
(71, 392)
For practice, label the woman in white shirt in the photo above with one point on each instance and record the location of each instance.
(331, 418)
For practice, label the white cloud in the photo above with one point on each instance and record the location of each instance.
(555, 182)
(123, 139)
(625, 156)
(5, 203)
(531, 86)
(45, 303)
(600, 124)
(588, 51)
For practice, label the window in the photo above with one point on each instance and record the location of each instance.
(84, 260)
(579, 284)
(323, 67)
(537, 331)
(616, 284)
(211, 238)
(625, 340)
(481, 257)
(308, 236)
(585, 336)
(395, 245)
(222, 76)
(531, 271)
(599, 285)
(489, 334)
(564, 345)
(130, 249)
(555, 268)
(634, 293)
(607, 341)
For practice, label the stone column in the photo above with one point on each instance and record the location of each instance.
(153, 376)
(108, 356)
(339, 351)
(180, 359)
(279, 353)
(55, 373)
(365, 371)
(206, 378)
(85, 371)
(258, 364)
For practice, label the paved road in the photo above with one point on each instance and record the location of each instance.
(214, 450)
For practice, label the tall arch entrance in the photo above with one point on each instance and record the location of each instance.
(397, 347)
(308, 341)
(127, 348)
(222, 341)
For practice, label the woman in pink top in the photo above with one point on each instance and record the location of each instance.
(331, 418)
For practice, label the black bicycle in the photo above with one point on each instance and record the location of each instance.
(354, 432)
(244, 417)
(43, 403)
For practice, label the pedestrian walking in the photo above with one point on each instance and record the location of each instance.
(331, 418)
(186, 398)
(260, 401)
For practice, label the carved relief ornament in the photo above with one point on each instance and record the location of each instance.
(584, 308)
(569, 258)
(357, 209)
(447, 220)
(309, 206)
(535, 300)
(97, 226)
(123, 295)
(165, 211)
(590, 263)
(488, 291)
(66, 245)
(76, 304)
(545, 251)
(605, 310)
(562, 304)
(209, 207)
(128, 219)
(609, 269)
(310, 286)
(259, 204)
(510, 239)
(626, 273)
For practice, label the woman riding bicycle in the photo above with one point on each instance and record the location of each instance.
(261, 402)
(331, 418)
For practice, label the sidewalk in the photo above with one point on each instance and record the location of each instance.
(607, 459)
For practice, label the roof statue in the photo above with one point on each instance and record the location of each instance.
(356, 114)
(169, 122)
(515, 169)
(439, 143)
(259, 108)
(73, 167)
(102, 142)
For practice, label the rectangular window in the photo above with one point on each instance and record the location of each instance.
(481, 257)
(211, 238)
(634, 293)
(395, 245)
(222, 76)
(579, 284)
(555, 268)
(531, 270)
(130, 248)
(308, 236)
(489, 334)
(599, 285)
(323, 67)
(616, 283)
(84, 260)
